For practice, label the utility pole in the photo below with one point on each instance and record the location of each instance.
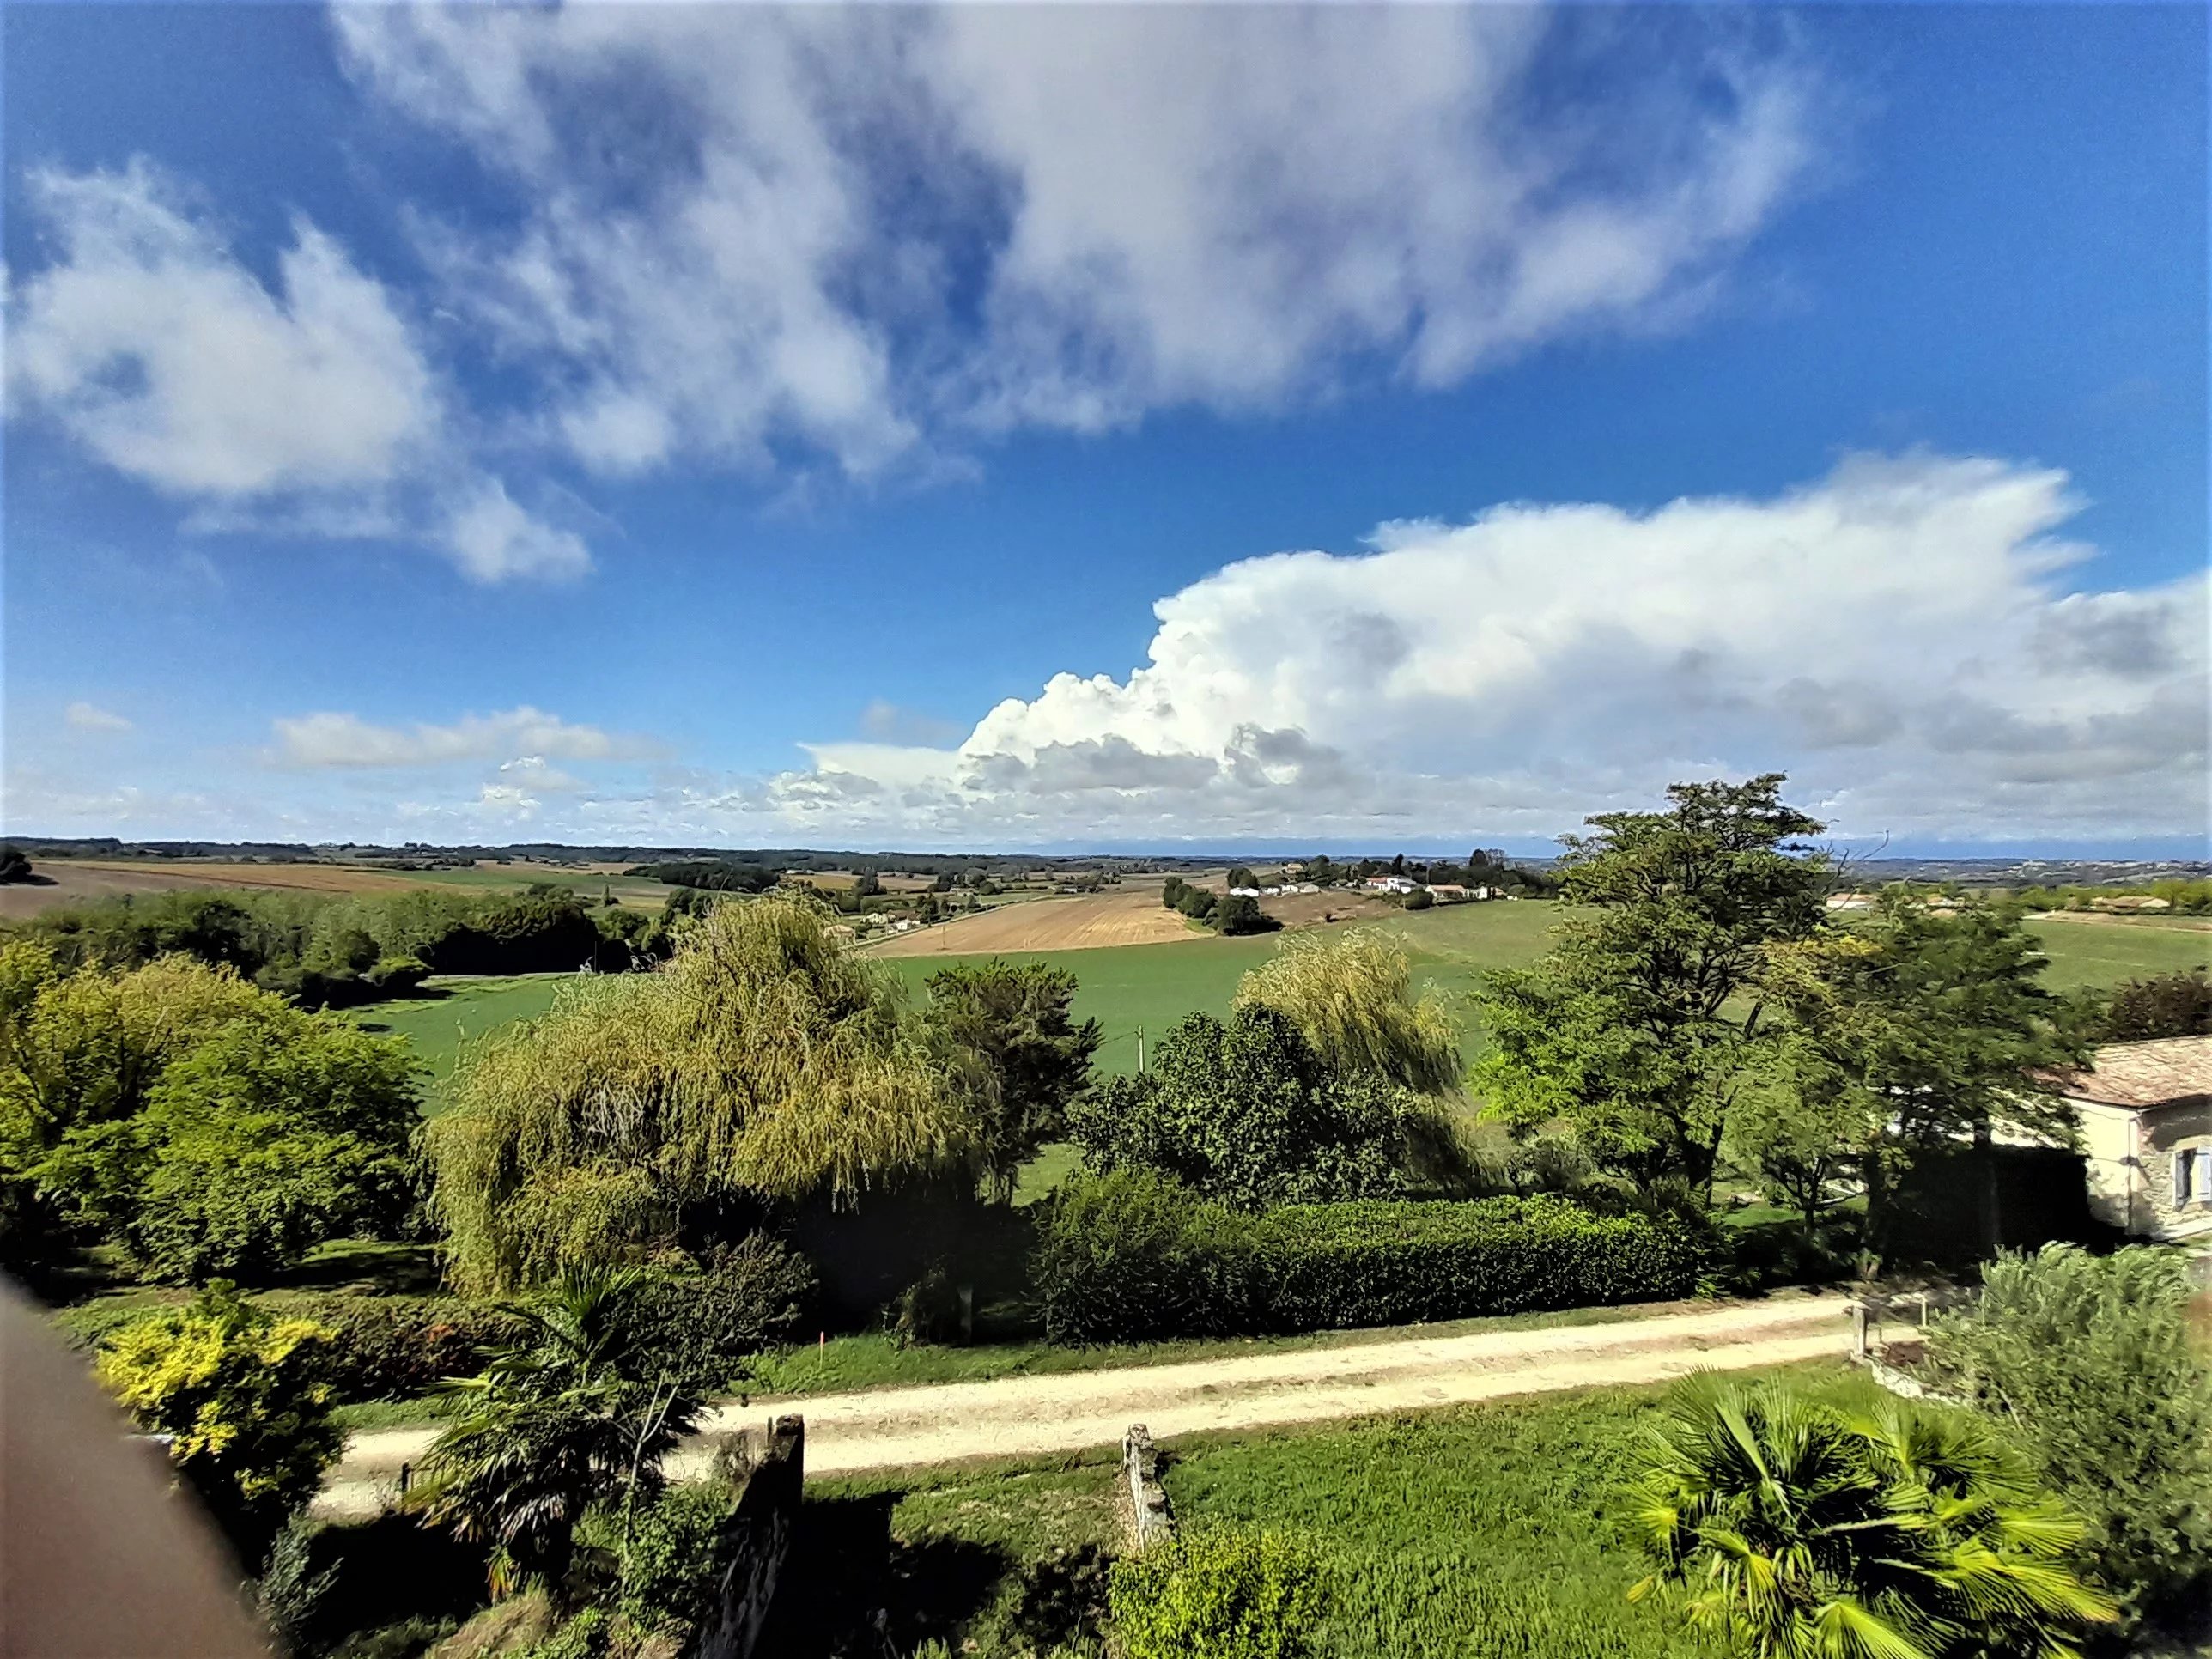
(1141, 1051)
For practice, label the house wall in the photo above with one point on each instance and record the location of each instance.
(2108, 1147)
(2166, 1130)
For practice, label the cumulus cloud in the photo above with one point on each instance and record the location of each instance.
(310, 408)
(1899, 635)
(89, 717)
(860, 234)
(347, 740)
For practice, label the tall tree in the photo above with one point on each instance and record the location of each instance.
(1016, 1018)
(1352, 997)
(1641, 1026)
(1918, 1028)
(763, 1060)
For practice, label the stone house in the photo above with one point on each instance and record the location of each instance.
(2146, 1112)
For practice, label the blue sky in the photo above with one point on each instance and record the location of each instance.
(1047, 427)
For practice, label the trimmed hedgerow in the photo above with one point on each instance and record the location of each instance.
(1326, 1266)
(1135, 1256)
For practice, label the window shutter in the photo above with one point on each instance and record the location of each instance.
(2183, 1168)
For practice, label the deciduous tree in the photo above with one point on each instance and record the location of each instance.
(1016, 1018)
(1640, 1027)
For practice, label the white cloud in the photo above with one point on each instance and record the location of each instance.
(507, 801)
(347, 740)
(1897, 635)
(86, 717)
(536, 772)
(151, 344)
(860, 235)
(310, 409)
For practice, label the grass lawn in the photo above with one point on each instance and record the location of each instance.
(1493, 1530)
(455, 1010)
(2108, 953)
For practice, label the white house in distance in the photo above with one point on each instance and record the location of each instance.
(2146, 1111)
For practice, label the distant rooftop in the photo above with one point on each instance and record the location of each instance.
(2162, 1073)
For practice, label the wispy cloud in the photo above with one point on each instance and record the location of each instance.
(347, 740)
(89, 717)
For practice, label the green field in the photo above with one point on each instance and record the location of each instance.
(1480, 1531)
(1150, 986)
(456, 1011)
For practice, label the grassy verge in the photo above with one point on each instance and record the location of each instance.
(1500, 1530)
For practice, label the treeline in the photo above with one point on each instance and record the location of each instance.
(334, 951)
(2185, 897)
(1231, 913)
(1484, 868)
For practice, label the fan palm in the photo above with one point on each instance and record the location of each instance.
(559, 1421)
(1808, 1531)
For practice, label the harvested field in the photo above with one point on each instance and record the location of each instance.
(1094, 922)
(1319, 909)
(73, 880)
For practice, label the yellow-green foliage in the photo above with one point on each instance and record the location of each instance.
(762, 1058)
(1352, 995)
(1218, 1593)
(240, 1392)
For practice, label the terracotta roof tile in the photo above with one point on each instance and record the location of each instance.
(2155, 1073)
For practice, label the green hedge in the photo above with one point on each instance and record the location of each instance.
(1134, 1256)
(1326, 1266)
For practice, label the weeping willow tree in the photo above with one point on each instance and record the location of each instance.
(762, 1060)
(1351, 996)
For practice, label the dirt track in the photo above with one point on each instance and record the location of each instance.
(1029, 1416)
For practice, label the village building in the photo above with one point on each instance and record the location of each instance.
(2145, 1113)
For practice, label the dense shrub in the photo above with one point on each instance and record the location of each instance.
(1246, 1111)
(701, 1328)
(1326, 1266)
(1133, 1255)
(2163, 1005)
(241, 1394)
(2090, 1364)
(269, 1137)
(1218, 1593)
(392, 1347)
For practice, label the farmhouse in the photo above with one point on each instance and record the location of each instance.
(1390, 883)
(2146, 1112)
(1446, 892)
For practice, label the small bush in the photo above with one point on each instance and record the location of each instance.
(2089, 1363)
(242, 1396)
(1132, 1254)
(701, 1328)
(1218, 1593)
